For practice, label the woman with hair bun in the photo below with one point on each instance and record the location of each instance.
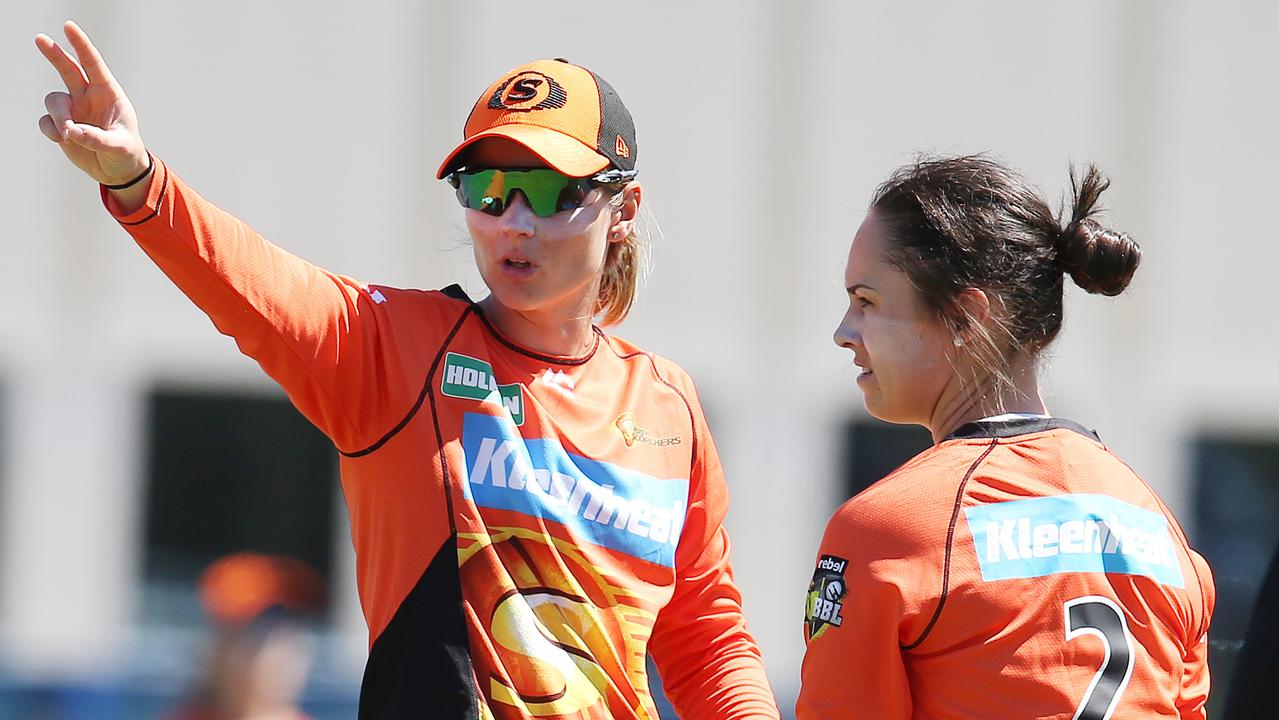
(1017, 568)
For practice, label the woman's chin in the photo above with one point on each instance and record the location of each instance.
(514, 297)
(876, 409)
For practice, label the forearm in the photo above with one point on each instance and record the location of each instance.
(722, 680)
(711, 667)
(298, 321)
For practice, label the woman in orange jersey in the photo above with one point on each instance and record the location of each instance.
(1017, 568)
(535, 505)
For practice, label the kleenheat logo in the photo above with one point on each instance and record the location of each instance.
(530, 90)
(633, 433)
(1074, 533)
(826, 592)
(600, 503)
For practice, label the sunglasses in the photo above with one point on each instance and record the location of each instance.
(547, 191)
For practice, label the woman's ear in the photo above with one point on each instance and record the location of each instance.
(626, 212)
(974, 308)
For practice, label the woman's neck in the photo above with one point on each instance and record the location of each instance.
(975, 400)
(551, 332)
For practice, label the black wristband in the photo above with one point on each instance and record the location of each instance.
(136, 180)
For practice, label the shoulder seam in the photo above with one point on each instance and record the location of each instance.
(426, 389)
(950, 539)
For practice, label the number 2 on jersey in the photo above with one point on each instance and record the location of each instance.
(1095, 615)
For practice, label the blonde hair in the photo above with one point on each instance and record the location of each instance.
(625, 263)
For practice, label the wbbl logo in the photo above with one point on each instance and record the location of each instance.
(826, 593)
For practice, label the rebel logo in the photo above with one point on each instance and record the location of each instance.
(528, 90)
(832, 564)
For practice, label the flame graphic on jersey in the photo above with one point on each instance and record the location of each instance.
(561, 641)
(625, 424)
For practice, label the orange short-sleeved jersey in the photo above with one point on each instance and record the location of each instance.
(527, 528)
(1017, 569)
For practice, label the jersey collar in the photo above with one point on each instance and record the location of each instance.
(1013, 425)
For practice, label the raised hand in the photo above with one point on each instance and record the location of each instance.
(93, 121)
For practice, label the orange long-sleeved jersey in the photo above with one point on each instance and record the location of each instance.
(1017, 569)
(526, 527)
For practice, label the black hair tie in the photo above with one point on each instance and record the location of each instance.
(138, 179)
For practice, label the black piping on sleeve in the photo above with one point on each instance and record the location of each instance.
(421, 396)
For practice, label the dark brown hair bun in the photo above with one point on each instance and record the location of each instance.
(1098, 259)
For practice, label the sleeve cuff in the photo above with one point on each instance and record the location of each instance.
(157, 184)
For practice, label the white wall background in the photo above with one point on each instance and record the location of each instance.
(763, 129)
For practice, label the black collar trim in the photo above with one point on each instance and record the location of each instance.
(456, 292)
(1018, 426)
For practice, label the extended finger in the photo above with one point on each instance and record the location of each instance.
(95, 68)
(50, 129)
(59, 106)
(67, 67)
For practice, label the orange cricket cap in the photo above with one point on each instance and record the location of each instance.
(565, 114)
(237, 589)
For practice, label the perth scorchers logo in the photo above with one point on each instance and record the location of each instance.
(529, 90)
(625, 424)
(632, 433)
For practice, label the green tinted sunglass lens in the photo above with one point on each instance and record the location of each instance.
(546, 191)
(483, 190)
(541, 187)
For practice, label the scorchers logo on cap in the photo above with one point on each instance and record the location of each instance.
(528, 90)
(825, 603)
